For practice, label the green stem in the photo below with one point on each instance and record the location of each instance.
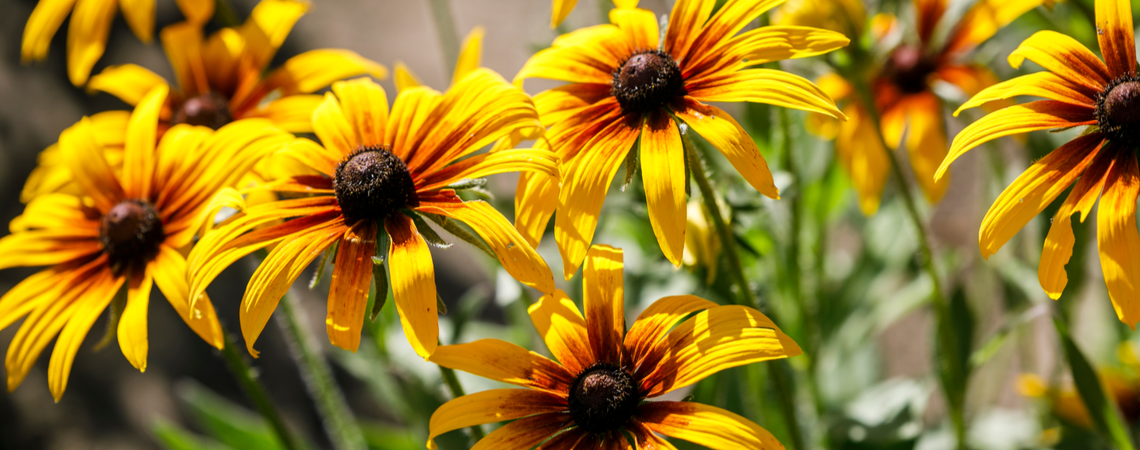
(256, 393)
(456, 389)
(947, 342)
(785, 391)
(445, 28)
(224, 14)
(315, 371)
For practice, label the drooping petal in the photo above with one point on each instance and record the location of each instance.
(713, 340)
(351, 279)
(471, 55)
(1117, 238)
(412, 278)
(706, 425)
(526, 160)
(268, 25)
(983, 20)
(169, 271)
(1032, 116)
(183, 45)
(293, 113)
(926, 143)
(1034, 190)
(129, 82)
(30, 293)
(563, 328)
(84, 156)
(646, 439)
(83, 315)
(604, 300)
(491, 406)
(516, 256)
(728, 137)
(1059, 242)
(1115, 34)
(536, 197)
(139, 15)
(663, 166)
(524, 434)
(1064, 56)
(132, 331)
(770, 86)
(863, 156)
(42, 25)
(365, 105)
(506, 362)
(653, 323)
(87, 36)
(584, 189)
(276, 274)
(1041, 84)
(139, 154)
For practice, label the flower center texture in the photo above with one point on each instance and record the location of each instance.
(372, 183)
(207, 110)
(1118, 110)
(908, 68)
(131, 233)
(603, 398)
(647, 81)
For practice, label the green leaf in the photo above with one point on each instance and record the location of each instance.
(427, 231)
(380, 278)
(225, 421)
(1102, 411)
(439, 305)
(631, 163)
(118, 304)
(461, 231)
(173, 437)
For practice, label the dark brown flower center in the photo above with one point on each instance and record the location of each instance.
(372, 183)
(603, 398)
(131, 233)
(207, 110)
(1118, 110)
(909, 69)
(647, 81)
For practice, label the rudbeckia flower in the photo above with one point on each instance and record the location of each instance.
(128, 230)
(627, 88)
(559, 9)
(224, 78)
(1081, 90)
(90, 25)
(380, 173)
(903, 91)
(595, 393)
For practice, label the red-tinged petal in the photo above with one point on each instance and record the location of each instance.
(1117, 238)
(983, 20)
(639, 25)
(685, 23)
(928, 12)
(563, 328)
(183, 45)
(365, 106)
(653, 323)
(527, 160)
(926, 143)
(132, 331)
(524, 434)
(1033, 116)
(1041, 84)
(412, 277)
(29, 294)
(863, 156)
(1063, 56)
(48, 247)
(706, 425)
(770, 86)
(603, 299)
(491, 406)
(663, 166)
(506, 362)
(646, 439)
(1115, 34)
(351, 279)
(1059, 242)
(84, 156)
(727, 136)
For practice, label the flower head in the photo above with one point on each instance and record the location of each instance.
(1081, 90)
(604, 372)
(90, 25)
(127, 230)
(381, 172)
(628, 87)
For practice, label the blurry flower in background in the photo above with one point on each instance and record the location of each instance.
(90, 25)
(1122, 386)
(561, 8)
(1101, 163)
(130, 229)
(603, 374)
(702, 245)
(390, 171)
(628, 88)
(846, 17)
(903, 90)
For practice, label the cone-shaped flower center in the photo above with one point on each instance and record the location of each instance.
(909, 69)
(603, 398)
(647, 81)
(207, 110)
(131, 233)
(372, 183)
(1118, 110)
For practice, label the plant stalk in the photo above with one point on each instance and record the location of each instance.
(456, 389)
(445, 28)
(256, 393)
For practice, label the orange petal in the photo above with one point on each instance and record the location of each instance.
(169, 270)
(1034, 190)
(586, 55)
(1117, 238)
(88, 165)
(1040, 84)
(1058, 246)
(29, 294)
(645, 439)
(685, 23)
(139, 154)
(413, 284)
(731, 18)
(1064, 56)
(48, 247)
(639, 25)
(929, 12)
(706, 425)
(527, 160)
(132, 331)
(351, 279)
(491, 406)
(183, 45)
(312, 154)
(727, 136)
(663, 173)
(926, 143)
(861, 152)
(562, 327)
(365, 106)
(524, 434)
(653, 323)
(603, 299)
(770, 86)
(983, 20)
(1115, 34)
(86, 310)
(572, 438)
(506, 362)
(293, 113)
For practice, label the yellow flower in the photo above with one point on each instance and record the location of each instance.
(596, 389)
(1081, 91)
(561, 8)
(702, 245)
(627, 87)
(843, 16)
(129, 229)
(90, 25)
(903, 91)
(379, 171)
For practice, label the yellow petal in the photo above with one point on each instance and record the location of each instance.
(926, 143)
(491, 406)
(863, 156)
(663, 166)
(1063, 56)
(727, 136)
(412, 277)
(128, 82)
(526, 160)
(1059, 243)
(183, 45)
(333, 128)
(87, 37)
(92, 173)
(774, 87)
(984, 19)
(1115, 35)
(196, 11)
(404, 78)
(139, 154)
(656, 320)
(559, 10)
(562, 327)
(536, 197)
(524, 434)
(351, 279)
(29, 294)
(365, 106)
(506, 362)
(471, 55)
(42, 25)
(268, 25)
(407, 124)
(1041, 84)
(293, 113)
(315, 69)
(1117, 238)
(706, 425)
(79, 322)
(603, 299)
(132, 331)
(587, 55)
(685, 23)
(169, 269)
(139, 14)
(639, 25)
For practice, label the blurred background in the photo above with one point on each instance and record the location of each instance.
(872, 383)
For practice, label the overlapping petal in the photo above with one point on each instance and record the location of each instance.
(351, 279)
(506, 362)
(495, 405)
(412, 278)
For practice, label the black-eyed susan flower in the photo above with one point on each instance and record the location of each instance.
(904, 95)
(628, 87)
(90, 25)
(1081, 90)
(380, 171)
(127, 229)
(595, 393)
(561, 8)
(225, 78)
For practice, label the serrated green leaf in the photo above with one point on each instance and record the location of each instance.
(467, 183)
(225, 421)
(1103, 413)
(460, 231)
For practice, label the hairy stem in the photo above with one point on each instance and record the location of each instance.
(456, 389)
(256, 393)
(445, 28)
